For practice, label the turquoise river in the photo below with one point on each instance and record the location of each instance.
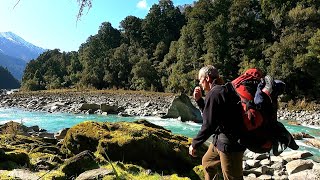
(53, 122)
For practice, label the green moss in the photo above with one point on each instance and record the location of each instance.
(129, 171)
(4, 175)
(141, 143)
(34, 157)
(21, 142)
(46, 149)
(197, 173)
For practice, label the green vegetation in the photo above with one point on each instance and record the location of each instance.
(126, 150)
(141, 143)
(7, 80)
(164, 51)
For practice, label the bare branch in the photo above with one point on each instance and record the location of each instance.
(83, 4)
(16, 4)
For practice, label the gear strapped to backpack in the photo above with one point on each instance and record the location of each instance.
(260, 129)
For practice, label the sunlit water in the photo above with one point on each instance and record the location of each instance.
(53, 122)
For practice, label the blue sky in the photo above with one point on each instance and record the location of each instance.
(52, 23)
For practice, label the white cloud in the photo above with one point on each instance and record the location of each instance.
(142, 4)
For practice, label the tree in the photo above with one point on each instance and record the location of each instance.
(119, 68)
(131, 29)
(144, 76)
(94, 55)
(7, 80)
(162, 23)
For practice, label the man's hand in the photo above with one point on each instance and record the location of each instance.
(192, 151)
(197, 94)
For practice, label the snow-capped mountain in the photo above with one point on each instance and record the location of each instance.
(15, 46)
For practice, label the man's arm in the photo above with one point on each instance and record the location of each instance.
(209, 125)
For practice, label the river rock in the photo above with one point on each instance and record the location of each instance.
(23, 174)
(256, 156)
(112, 109)
(182, 107)
(301, 135)
(313, 142)
(293, 155)
(95, 174)
(310, 174)
(298, 165)
(282, 177)
(265, 177)
(61, 134)
(253, 163)
(87, 106)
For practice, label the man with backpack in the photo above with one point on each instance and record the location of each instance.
(218, 107)
(240, 114)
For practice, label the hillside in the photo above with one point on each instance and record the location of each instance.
(14, 65)
(7, 81)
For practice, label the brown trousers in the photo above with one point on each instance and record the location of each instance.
(231, 164)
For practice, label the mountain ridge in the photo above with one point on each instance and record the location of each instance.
(15, 53)
(15, 46)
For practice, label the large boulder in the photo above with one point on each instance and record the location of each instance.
(182, 107)
(140, 143)
(87, 106)
(112, 109)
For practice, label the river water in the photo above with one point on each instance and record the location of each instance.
(53, 122)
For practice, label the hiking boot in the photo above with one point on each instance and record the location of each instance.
(268, 88)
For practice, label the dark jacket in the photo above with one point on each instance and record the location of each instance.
(220, 111)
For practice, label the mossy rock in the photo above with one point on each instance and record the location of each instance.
(13, 128)
(19, 157)
(22, 142)
(46, 149)
(79, 163)
(13, 159)
(140, 143)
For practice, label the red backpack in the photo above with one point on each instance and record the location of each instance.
(256, 131)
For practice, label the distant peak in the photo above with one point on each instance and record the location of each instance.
(6, 34)
(15, 46)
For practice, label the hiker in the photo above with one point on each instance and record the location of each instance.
(216, 108)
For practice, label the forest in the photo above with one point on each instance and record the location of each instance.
(7, 81)
(164, 51)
